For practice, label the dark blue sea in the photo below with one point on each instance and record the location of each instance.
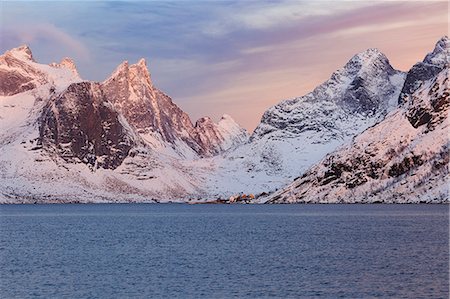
(224, 251)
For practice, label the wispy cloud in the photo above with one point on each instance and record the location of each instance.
(45, 33)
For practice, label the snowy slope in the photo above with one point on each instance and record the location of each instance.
(404, 158)
(295, 134)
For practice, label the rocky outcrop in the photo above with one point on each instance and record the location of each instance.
(435, 66)
(66, 63)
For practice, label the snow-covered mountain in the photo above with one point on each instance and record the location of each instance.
(404, 158)
(19, 72)
(63, 139)
(296, 133)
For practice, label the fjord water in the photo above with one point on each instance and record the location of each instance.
(223, 251)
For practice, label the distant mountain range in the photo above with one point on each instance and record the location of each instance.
(368, 134)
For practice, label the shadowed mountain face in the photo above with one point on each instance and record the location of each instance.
(81, 123)
(435, 64)
(427, 69)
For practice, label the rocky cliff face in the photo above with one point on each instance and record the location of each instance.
(131, 91)
(81, 125)
(404, 158)
(420, 112)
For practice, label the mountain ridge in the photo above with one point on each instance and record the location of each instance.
(408, 164)
(124, 140)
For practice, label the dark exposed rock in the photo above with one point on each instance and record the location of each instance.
(206, 134)
(427, 69)
(404, 166)
(357, 179)
(418, 74)
(419, 116)
(80, 124)
(427, 108)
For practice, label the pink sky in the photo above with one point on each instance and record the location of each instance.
(233, 57)
(404, 34)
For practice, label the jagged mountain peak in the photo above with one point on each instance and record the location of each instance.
(441, 53)
(142, 63)
(121, 70)
(137, 73)
(226, 121)
(370, 61)
(382, 164)
(140, 71)
(19, 72)
(22, 52)
(370, 53)
(443, 42)
(66, 63)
